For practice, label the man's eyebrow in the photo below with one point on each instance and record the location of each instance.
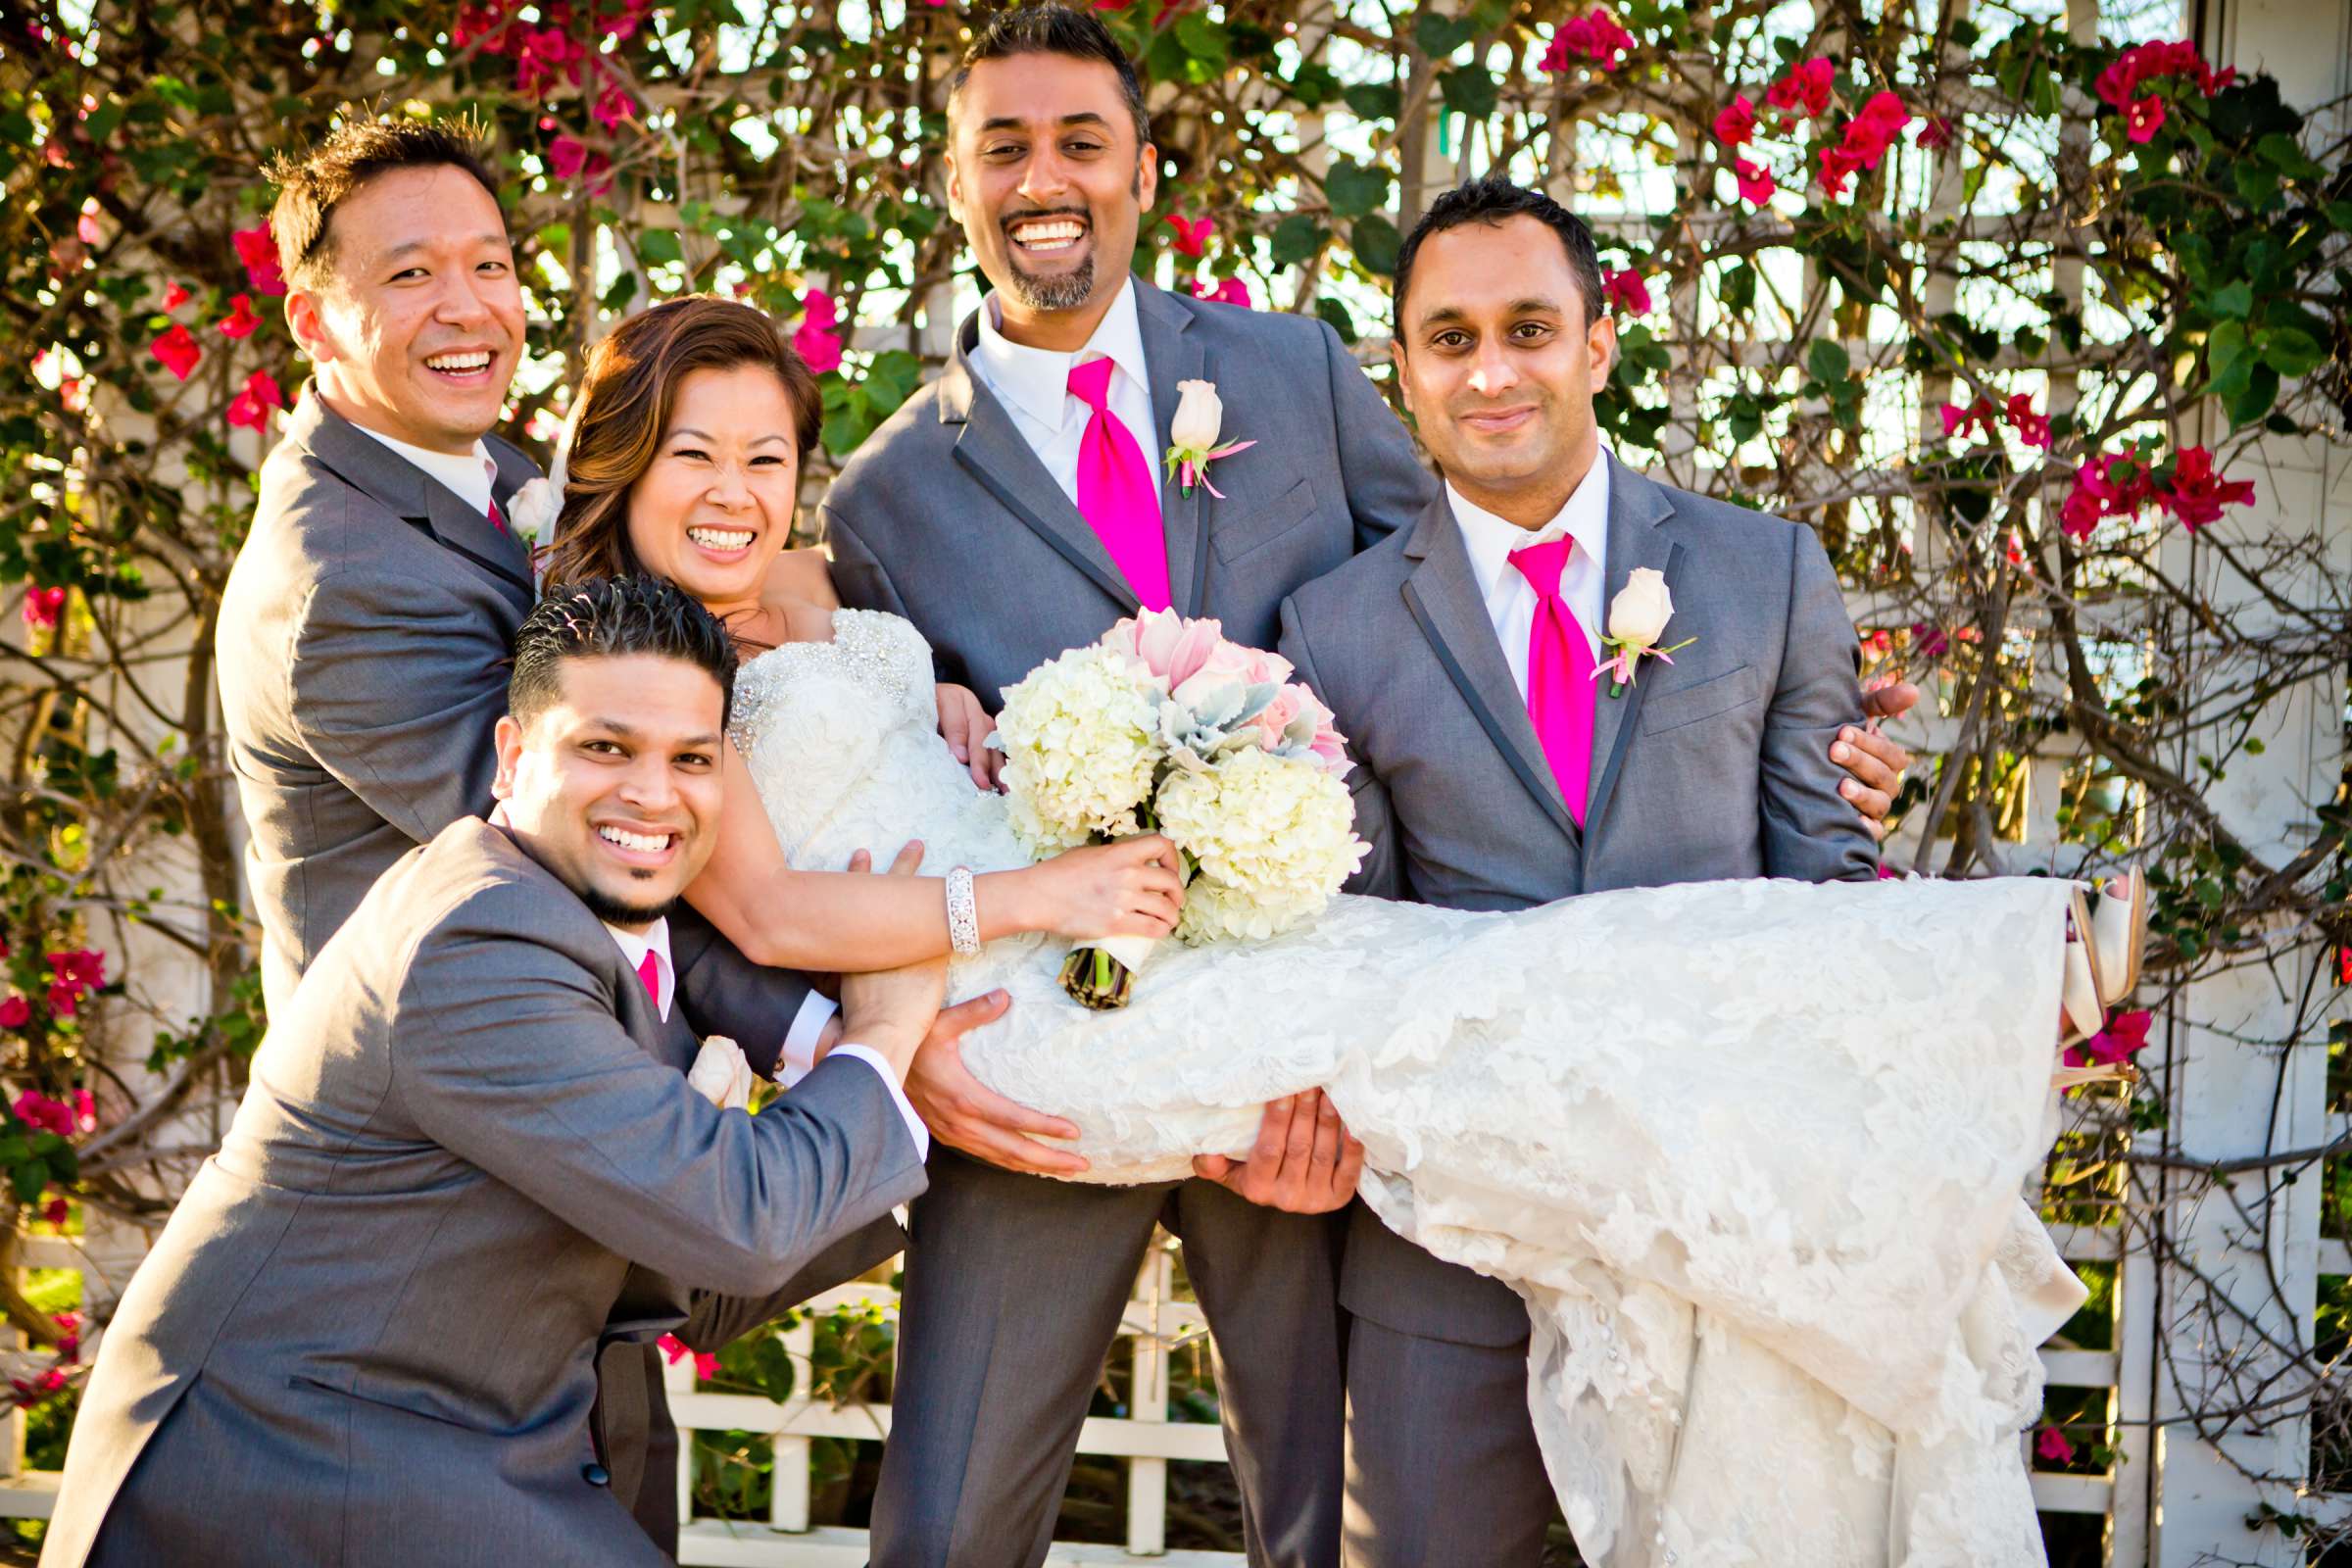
(1085, 117)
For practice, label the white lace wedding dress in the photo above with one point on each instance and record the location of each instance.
(1751, 1151)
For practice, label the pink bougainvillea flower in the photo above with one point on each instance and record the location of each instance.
(1805, 89)
(14, 1012)
(240, 321)
(1191, 233)
(1594, 36)
(43, 606)
(1958, 421)
(258, 251)
(2157, 61)
(2053, 1446)
(816, 338)
(2197, 495)
(1736, 122)
(1754, 180)
(251, 406)
(1929, 641)
(175, 297)
(178, 351)
(1871, 132)
(569, 159)
(57, 1212)
(1625, 292)
(72, 975)
(2033, 429)
(706, 1365)
(2118, 487)
(612, 106)
(86, 227)
(1838, 166)
(2125, 1037)
(1934, 132)
(2143, 118)
(1228, 292)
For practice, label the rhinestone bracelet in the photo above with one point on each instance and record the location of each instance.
(963, 914)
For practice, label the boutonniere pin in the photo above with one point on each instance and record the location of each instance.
(1199, 420)
(1637, 619)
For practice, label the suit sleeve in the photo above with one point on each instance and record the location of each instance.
(508, 1054)
(723, 993)
(720, 1320)
(1811, 830)
(1375, 822)
(416, 749)
(1388, 488)
(861, 581)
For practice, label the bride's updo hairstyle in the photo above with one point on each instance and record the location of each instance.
(623, 407)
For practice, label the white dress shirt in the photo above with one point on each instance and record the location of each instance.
(655, 939)
(1510, 597)
(1034, 385)
(470, 476)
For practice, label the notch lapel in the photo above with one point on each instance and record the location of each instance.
(1637, 537)
(1443, 596)
(1173, 353)
(991, 449)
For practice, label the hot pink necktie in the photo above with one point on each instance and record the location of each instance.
(649, 973)
(1559, 674)
(498, 518)
(1116, 494)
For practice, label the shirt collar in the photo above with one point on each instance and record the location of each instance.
(470, 476)
(654, 939)
(1583, 517)
(1037, 381)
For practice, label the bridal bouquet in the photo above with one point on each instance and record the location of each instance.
(1164, 725)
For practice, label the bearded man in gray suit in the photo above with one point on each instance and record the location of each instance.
(1495, 771)
(469, 1154)
(364, 633)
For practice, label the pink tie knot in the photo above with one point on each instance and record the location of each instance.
(649, 974)
(1090, 383)
(1541, 566)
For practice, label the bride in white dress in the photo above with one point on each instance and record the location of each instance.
(1752, 1151)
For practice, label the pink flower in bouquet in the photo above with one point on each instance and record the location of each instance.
(1805, 88)
(1736, 122)
(1273, 721)
(1170, 646)
(258, 250)
(1229, 669)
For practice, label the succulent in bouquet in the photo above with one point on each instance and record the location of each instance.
(1166, 726)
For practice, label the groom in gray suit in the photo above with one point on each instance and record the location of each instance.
(1495, 770)
(363, 632)
(469, 1154)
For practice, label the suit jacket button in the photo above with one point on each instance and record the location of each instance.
(595, 1475)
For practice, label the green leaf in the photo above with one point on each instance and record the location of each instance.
(2291, 352)
(1296, 239)
(2233, 299)
(1384, 100)
(2262, 390)
(1376, 243)
(1740, 288)
(656, 246)
(2224, 348)
(1203, 37)
(1470, 90)
(1331, 311)
(1355, 191)
(29, 1179)
(1829, 361)
(1315, 84)
(1439, 35)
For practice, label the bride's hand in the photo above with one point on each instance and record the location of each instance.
(965, 727)
(1128, 889)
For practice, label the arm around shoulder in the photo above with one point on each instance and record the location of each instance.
(1811, 831)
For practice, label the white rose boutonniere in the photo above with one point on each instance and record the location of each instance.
(532, 511)
(1192, 436)
(722, 1075)
(1637, 619)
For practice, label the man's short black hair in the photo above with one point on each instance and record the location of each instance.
(1056, 30)
(1492, 200)
(311, 187)
(609, 617)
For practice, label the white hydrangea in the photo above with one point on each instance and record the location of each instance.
(1274, 838)
(1080, 746)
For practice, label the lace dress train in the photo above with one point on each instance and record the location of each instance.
(1753, 1151)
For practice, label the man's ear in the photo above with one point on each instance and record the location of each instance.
(1404, 375)
(507, 739)
(1147, 176)
(1601, 338)
(305, 320)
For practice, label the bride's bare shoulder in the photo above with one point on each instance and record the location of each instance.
(802, 576)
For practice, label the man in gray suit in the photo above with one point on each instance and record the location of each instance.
(368, 1333)
(1480, 786)
(364, 633)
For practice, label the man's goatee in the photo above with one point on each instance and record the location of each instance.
(1065, 291)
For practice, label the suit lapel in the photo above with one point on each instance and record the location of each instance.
(1173, 353)
(1443, 596)
(991, 449)
(1637, 537)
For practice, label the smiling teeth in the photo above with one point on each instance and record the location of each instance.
(721, 538)
(647, 843)
(1048, 236)
(460, 362)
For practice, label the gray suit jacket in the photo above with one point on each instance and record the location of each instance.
(367, 1334)
(948, 518)
(1716, 765)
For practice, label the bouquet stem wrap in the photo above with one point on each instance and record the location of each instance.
(1101, 973)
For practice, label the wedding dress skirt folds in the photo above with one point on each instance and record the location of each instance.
(1752, 1151)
